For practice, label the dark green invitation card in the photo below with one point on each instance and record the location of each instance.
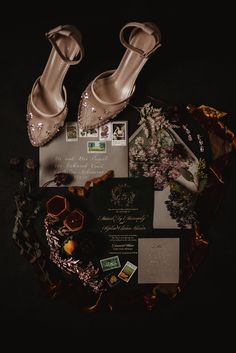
(122, 211)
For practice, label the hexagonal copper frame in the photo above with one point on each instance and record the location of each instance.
(74, 221)
(58, 206)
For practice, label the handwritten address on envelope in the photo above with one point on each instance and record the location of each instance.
(83, 159)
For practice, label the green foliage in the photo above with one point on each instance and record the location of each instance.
(23, 232)
(187, 174)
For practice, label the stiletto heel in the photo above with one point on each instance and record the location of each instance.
(47, 103)
(109, 93)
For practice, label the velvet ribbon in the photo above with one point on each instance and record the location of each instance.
(210, 119)
(81, 191)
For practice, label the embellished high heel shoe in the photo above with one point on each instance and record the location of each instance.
(109, 93)
(47, 103)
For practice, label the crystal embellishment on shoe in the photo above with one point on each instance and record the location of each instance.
(109, 93)
(47, 102)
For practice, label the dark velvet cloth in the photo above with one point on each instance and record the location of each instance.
(194, 65)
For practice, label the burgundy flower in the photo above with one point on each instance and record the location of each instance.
(60, 179)
(30, 165)
(16, 163)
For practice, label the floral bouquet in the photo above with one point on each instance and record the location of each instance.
(156, 151)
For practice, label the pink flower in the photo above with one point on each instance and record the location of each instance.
(139, 141)
(173, 174)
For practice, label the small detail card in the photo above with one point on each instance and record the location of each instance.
(85, 154)
(158, 260)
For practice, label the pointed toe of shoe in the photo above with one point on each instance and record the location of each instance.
(40, 129)
(93, 113)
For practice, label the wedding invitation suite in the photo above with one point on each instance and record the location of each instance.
(85, 154)
(158, 260)
(123, 211)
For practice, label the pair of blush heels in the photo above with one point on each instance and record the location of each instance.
(105, 97)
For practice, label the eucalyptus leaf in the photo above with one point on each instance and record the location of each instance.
(33, 259)
(186, 174)
(28, 244)
(36, 245)
(202, 184)
(25, 233)
(38, 252)
(46, 276)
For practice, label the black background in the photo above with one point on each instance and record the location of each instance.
(194, 65)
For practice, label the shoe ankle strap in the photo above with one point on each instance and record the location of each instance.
(67, 31)
(149, 28)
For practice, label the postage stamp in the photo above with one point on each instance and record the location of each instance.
(88, 132)
(105, 132)
(110, 263)
(119, 133)
(82, 132)
(127, 271)
(71, 131)
(96, 147)
(112, 280)
(92, 132)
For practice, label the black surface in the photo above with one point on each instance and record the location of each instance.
(194, 65)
